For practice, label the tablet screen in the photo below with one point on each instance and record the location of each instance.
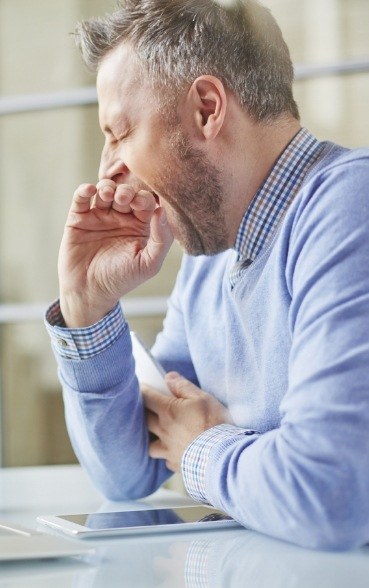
(147, 518)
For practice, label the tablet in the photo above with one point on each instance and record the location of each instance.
(153, 520)
(148, 370)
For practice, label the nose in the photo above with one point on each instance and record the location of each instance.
(113, 168)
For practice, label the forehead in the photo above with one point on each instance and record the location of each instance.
(118, 82)
(119, 66)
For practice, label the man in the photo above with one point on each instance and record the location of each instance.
(266, 338)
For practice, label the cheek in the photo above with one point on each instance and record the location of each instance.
(142, 160)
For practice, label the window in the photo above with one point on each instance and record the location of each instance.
(47, 151)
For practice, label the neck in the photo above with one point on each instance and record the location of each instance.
(251, 158)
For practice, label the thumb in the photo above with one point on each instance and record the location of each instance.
(161, 237)
(180, 386)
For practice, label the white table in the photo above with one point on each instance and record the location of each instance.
(212, 559)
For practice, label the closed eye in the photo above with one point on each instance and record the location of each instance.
(123, 136)
(113, 138)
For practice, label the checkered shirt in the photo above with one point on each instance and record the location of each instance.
(195, 458)
(273, 198)
(84, 342)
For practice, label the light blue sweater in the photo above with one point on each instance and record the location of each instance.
(287, 350)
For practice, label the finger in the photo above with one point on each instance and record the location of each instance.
(123, 197)
(154, 400)
(105, 193)
(105, 184)
(82, 198)
(143, 205)
(181, 387)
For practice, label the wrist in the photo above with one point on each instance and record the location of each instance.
(78, 311)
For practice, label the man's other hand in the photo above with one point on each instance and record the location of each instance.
(176, 421)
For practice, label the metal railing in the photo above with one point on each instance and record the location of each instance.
(87, 95)
(133, 307)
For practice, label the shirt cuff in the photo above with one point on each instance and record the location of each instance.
(195, 458)
(85, 342)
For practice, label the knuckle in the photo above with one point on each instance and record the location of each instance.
(124, 194)
(79, 191)
(84, 190)
(126, 189)
(105, 183)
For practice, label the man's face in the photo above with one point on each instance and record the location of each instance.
(145, 150)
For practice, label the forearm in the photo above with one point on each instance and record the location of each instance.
(294, 486)
(105, 421)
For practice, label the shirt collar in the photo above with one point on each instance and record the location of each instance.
(275, 195)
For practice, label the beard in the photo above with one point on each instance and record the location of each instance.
(191, 189)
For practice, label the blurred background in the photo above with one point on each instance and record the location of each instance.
(50, 142)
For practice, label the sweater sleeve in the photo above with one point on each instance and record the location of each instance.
(106, 424)
(307, 481)
(103, 405)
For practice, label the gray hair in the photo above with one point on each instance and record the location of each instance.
(177, 41)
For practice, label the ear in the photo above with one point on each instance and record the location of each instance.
(209, 103)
